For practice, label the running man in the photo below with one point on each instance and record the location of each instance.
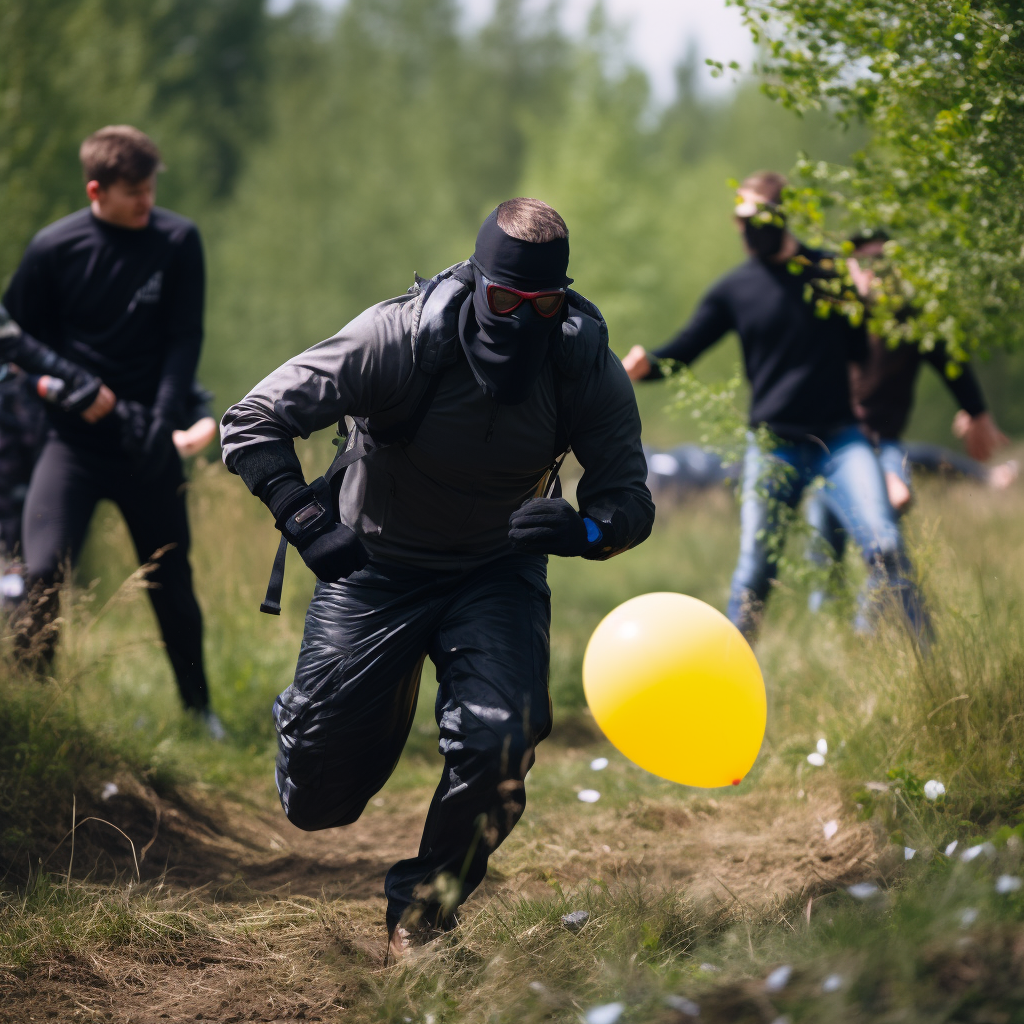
(109, 300)
(463, 394)
(797, 362)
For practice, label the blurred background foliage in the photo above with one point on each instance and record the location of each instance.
(326, 157)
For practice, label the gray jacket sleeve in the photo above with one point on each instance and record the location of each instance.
(606, 440)
(365, 368)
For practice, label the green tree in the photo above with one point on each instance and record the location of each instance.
(393, 135)
(940, 86)
(189, 72)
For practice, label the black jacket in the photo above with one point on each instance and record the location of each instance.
(444, 500)
(796, 362)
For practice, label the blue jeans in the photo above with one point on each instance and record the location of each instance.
(854, 493)
(828, 543)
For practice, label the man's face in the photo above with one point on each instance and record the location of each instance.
(124, 203)
(762, 228)
(869, 250)
(748, 200)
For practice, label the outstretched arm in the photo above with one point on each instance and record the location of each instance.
(973, 424)
(711, 320)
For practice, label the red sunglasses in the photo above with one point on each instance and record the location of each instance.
(504, 300)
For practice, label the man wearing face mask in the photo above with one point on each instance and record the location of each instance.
(459, 398)
(798, 342)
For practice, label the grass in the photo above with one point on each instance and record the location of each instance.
(672, 878)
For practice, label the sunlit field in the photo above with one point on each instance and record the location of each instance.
(209, 905)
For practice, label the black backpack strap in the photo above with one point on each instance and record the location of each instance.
(573, 362)
(439, 350)
(272, 602)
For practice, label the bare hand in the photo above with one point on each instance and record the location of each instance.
(980, 434)
(196, 438)
(102, 404)
(637, 363)
(863, 278)
(898, 491)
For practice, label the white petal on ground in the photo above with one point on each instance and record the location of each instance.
(683, 1005)
(778, 979)
(951, 849)
(109, 790)
(833, 983)
(609, 1013)
(974, 851)
(599, 764)
(908, 853)
(823, 746)
(862, 890)
(968, 916)
(589, 796)
(816, 759)
(830, 828)
(933, 789)
(1007, 883)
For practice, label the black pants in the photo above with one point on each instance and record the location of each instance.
(343, 722)
(66, 485)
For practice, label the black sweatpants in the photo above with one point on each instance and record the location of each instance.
(343, 722)
(67, 482)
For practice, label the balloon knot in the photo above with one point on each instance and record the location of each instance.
(736, 782)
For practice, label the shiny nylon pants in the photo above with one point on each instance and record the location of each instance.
(343, 722)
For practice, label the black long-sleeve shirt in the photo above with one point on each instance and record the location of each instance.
(796, 362)
(126, 305)
(883, 388)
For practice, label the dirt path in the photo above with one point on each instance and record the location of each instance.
(272, 904)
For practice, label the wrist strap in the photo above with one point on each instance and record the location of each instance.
(313, 518)
(272, 602)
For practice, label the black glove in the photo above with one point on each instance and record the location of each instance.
(551, 526)
(134, 420)
(157, 447)
(80, 392)
(329, 548)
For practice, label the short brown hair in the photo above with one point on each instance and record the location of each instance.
(119, 152)
(530, 220)
(766, 183)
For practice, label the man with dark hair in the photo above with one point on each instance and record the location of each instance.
(460, 399)
(109, 301)
(793, 316)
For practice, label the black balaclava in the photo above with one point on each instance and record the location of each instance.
(506, 353)
(765, 236)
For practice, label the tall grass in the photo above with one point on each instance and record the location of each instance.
(892, 718)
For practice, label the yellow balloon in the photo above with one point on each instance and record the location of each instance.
(673, 684)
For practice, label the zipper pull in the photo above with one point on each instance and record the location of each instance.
(490, 428)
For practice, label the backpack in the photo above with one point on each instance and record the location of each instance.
(436, 347)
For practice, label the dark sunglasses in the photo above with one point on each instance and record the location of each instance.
(503, 300)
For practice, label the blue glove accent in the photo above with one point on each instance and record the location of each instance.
(594, 533)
